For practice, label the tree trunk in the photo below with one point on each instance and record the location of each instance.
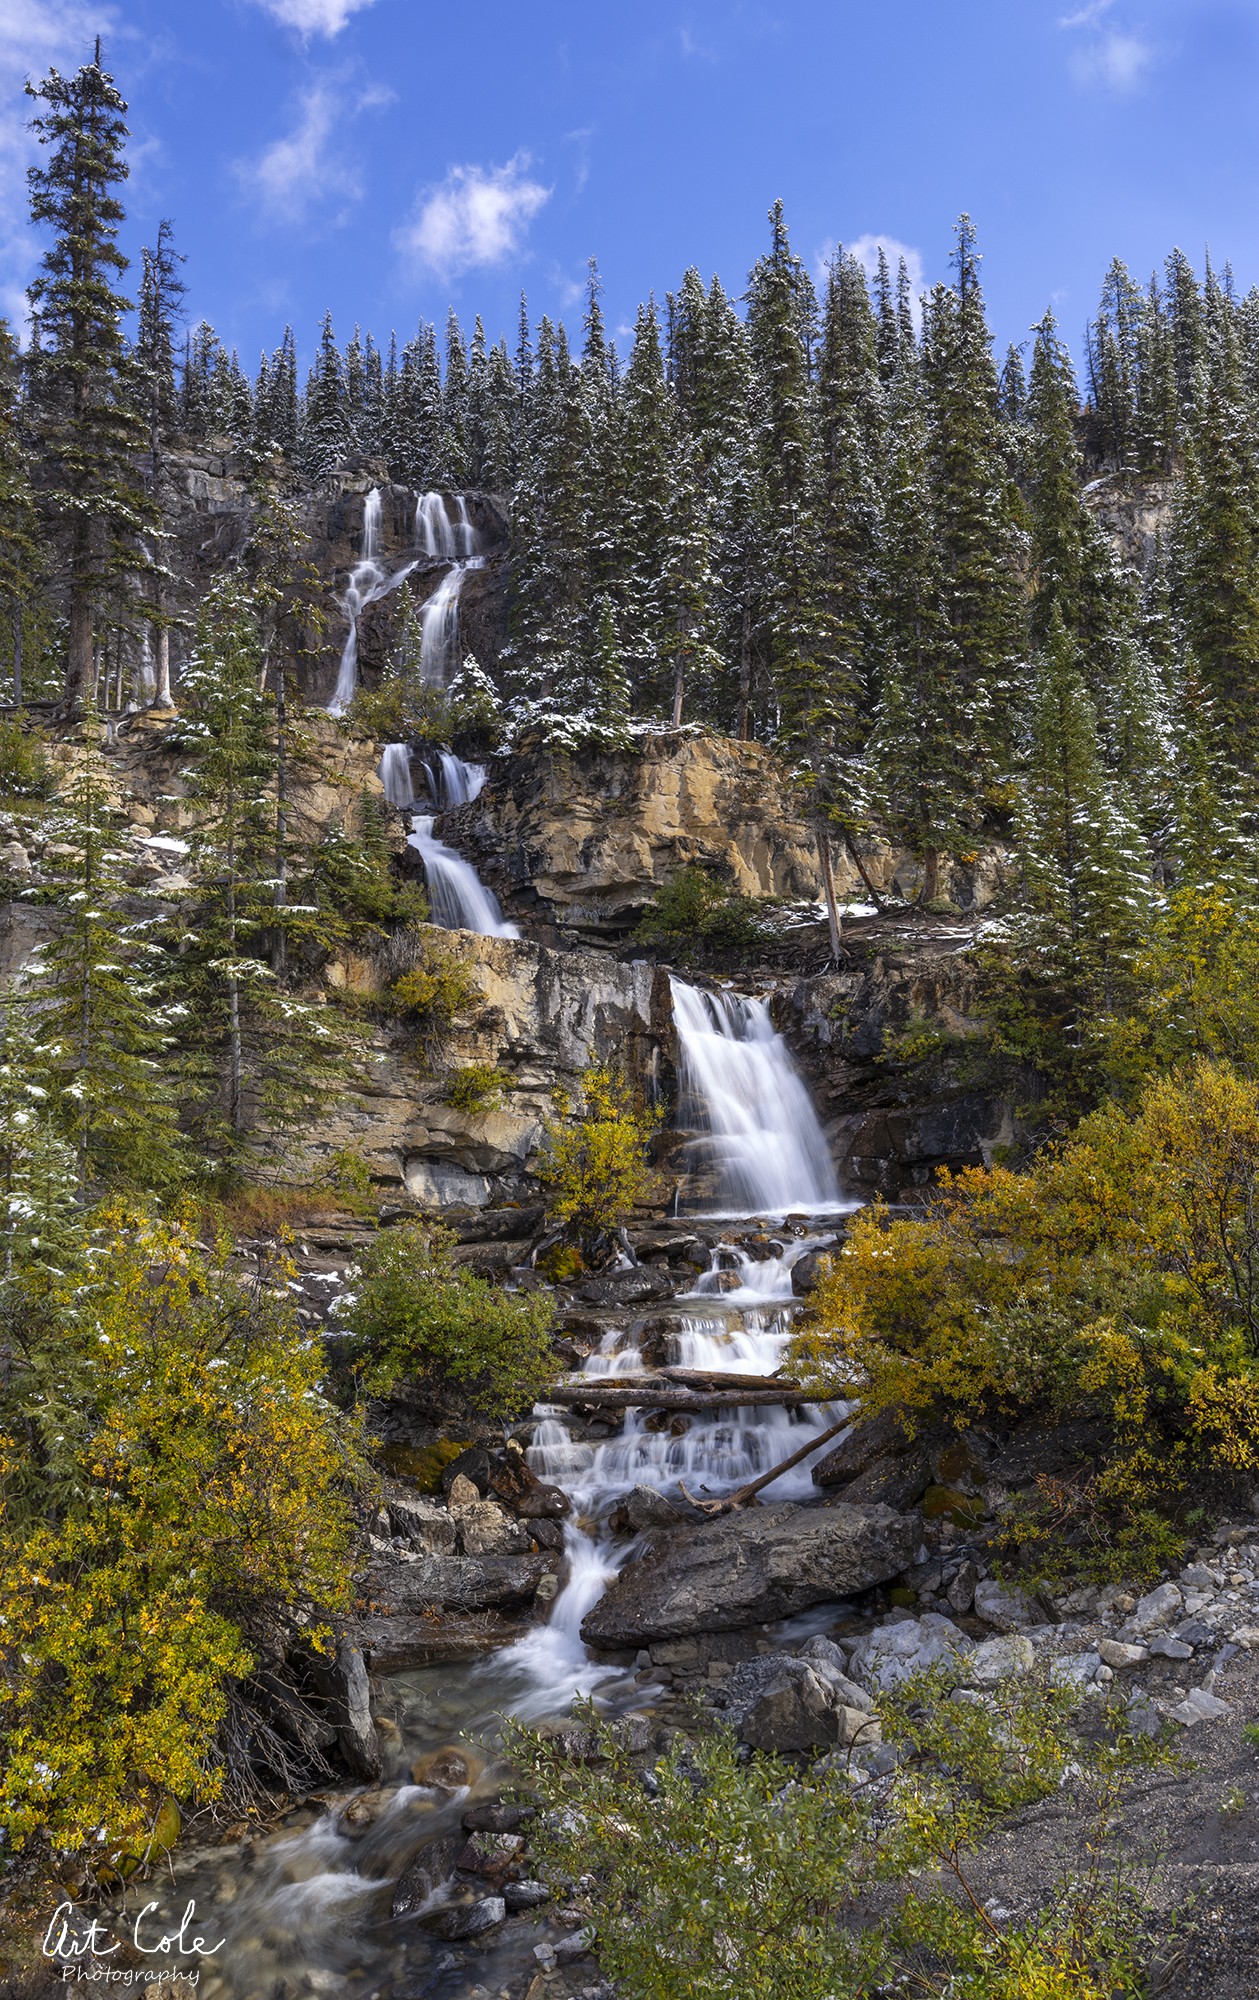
(80, 652)
(17, 654)
(279, 943)
(860, 867)
(930, 876)
(162, 698)
(679, 686)
(821, 835)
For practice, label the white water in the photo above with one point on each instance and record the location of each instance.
(367, 581)
(759, 1142)
(457, 897)
(454, 541)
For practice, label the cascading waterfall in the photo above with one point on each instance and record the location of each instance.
(445, 540)
(368, 580)
(457, 897)
(760, 1146)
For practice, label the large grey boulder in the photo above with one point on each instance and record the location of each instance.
(748, 1568)
(407, 1583)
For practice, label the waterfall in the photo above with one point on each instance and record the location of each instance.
(367, 581)
(444, 539)
(759, 1140)
(457, 897)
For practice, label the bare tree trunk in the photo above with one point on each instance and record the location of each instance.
(80, 652)
(821, 834)
(930, 876)
(679, 686)
(162, 698)
(279, 946)
(17, 654)
(860, 867)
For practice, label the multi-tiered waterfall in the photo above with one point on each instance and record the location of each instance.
(440, 536)
(447, 540)
(457, 897)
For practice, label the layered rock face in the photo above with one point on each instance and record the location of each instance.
(541, 1017)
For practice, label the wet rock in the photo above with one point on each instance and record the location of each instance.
(894, 1480)
(464, 1920)
(548, 1535)
(513, 1481)
(893, 1653)
(490, 1854)
(493, 1816)
(476, 1463)
(628, 1288)
(407, 1583)
(427, 1871)
(750, 1568)
(780, 1704)
(643, 1508)
(486, 1529)
(807, 1271)
(343, 1682)
(527, 1895)
(448, 1770)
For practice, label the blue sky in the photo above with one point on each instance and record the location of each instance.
(386, 158)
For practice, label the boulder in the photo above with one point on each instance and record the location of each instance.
(486, 1529)
(422, 1523)
(644, 1508)
(1004, 1610)
(1157, 1608)
(781, 1704)
(465, 1920)
(406, 1583)
(425, 1873)
(996, 1658)
(893, 1653)
(513, 1481)
(870, 1438)
(748, 1568)
(343, 1682)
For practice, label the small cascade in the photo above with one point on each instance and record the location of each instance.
(760, 1147)
(368, 580)
(457, 897)
(444, 539)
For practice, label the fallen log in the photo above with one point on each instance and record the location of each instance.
(653, 1394)
(714, 1378)
(742, 1494)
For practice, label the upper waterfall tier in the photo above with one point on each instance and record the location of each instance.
(760, 1146)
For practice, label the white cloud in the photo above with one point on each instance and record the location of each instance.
(1109, 58)
(311, 167)
(866, 251)
(475, 216)
(1117, 62)
(34, 36)
(313, 17)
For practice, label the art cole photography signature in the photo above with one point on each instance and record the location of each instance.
(78, 1947)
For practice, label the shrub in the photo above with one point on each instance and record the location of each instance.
(172, 1478)
(694, 912)
(1113, 1279)
(752, 1881)
(455, 1340)
(596, 1168)
(477, 1087)
(25, 773)
(434, 991)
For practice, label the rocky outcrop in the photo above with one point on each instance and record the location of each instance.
(539, 1016)
(750, 1568)
(586, 838)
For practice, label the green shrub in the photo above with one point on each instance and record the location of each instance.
(25, 773)
(434, 991)
(467, 1349)
(694, 912)
(476, 1087)
(754, 1881)
(596, 1169)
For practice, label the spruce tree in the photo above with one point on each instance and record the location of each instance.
(39, 1181)
(325, 430)
(19, 527)
(97, 1016)
(85, 400)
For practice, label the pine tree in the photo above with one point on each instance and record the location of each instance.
(97, 1017)
(85, 406)
(39, 1183)
(455, 459)
(19, 528)
(645, 441)
(1085, 870)
(325, 431)
(980, 546)
(161, 295)
(258, 1060)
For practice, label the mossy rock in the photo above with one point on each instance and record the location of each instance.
(144, 1848)
(949, 1503)
(902, 1596)
(423, 1464)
